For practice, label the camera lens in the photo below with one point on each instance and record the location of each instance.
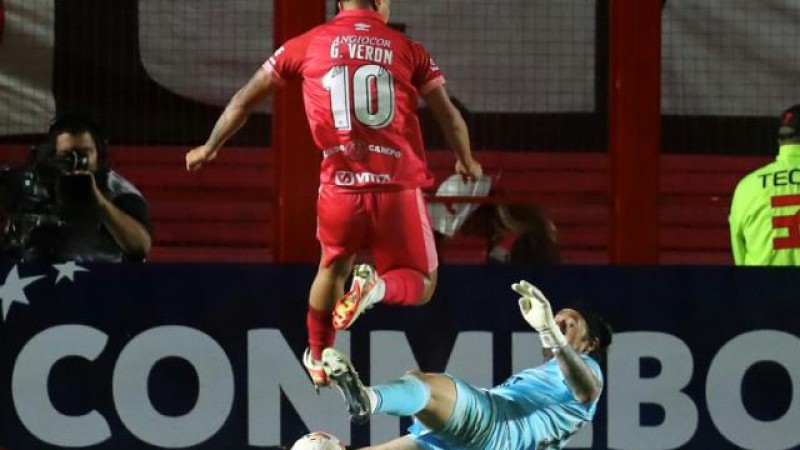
(81, 161)
(72, 161)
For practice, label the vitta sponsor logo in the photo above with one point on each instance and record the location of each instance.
(344, 178)
(347, 178)
(372, 178)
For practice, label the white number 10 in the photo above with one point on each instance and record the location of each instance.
(373, 95)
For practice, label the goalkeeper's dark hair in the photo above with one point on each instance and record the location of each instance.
(597, 328)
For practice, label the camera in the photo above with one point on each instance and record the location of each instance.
(46, 171)
(41, 196)
(68, 162)
(38, 191)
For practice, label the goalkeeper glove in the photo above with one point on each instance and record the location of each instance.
(537, 312)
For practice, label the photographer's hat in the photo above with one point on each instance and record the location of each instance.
(790, 124)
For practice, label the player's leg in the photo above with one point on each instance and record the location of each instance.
(404, 248)
(455, 411)
(451, 408)
(429, 397)
(441, 404)
(430, 286)
(402, 244)
(328, 285)
(341, 224)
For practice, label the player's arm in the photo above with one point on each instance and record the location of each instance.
(537, 312)
(734, 220)
(239, 108)
(581, 379)
(455, 131)
(737, 244)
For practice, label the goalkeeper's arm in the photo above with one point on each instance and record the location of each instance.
(536, 310)
(582, 381)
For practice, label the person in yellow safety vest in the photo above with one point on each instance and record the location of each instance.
(765, 210)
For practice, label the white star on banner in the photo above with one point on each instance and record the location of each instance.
(67, 270)
(13, 290)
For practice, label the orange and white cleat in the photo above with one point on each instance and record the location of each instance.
(316, 371)
(362, 296)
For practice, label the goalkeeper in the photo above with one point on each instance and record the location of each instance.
(538, 408)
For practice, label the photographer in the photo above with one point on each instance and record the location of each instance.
(68, 205)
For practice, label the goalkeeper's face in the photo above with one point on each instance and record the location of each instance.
(575, 329)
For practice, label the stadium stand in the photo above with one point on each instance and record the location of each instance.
(225, 213)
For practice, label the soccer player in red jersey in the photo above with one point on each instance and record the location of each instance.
(361, 84)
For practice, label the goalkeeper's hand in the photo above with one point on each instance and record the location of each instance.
(537, 312)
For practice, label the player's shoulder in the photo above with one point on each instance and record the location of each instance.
(753, 178)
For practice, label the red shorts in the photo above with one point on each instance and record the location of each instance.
(394, 225)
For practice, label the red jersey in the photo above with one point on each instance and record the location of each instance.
(361, 83)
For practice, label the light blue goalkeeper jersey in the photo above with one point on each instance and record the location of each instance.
(532, 410)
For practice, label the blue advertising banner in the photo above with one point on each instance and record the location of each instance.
(208, 356)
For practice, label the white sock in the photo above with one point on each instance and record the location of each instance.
(380, 290)
(373, 399)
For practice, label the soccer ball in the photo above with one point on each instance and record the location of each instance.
(318, 440)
